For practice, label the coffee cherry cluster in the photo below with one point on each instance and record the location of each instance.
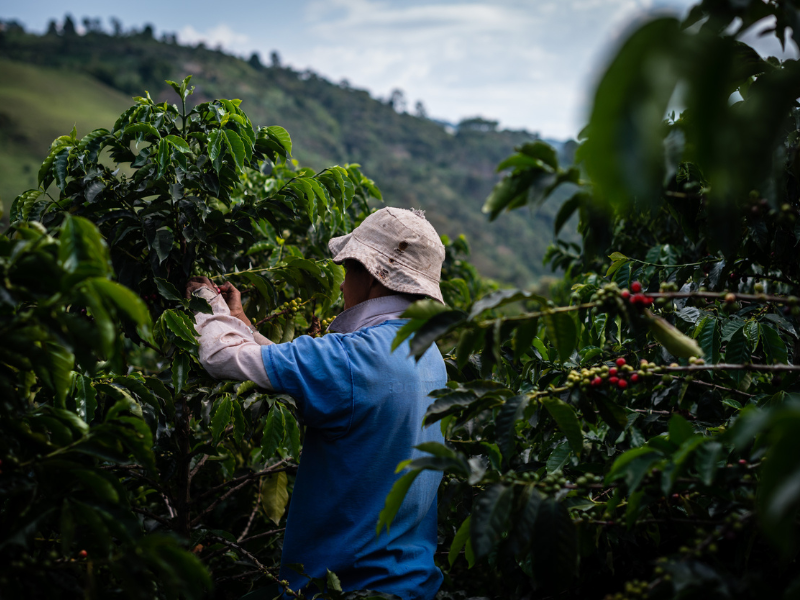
(324, 323)
(636, 588)
(636, 297)
(290, 307)
(617, 374)
(609, 297)
(555, 482)
(588, 479)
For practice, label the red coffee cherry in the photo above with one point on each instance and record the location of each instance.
(622, 384)
(613, 380)
(620, 362)
(597, 382)
(636, 287)
(625, 294)
(613, 371)
(83, 554)
(634, 378)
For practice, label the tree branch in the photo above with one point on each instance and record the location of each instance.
(720, 387)
(252, 516)
(271, 469)
(263, 569)
(194, 471)
(734, 367)
(150, 515)
(261, 535)
(216, 502)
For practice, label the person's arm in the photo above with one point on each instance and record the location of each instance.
(229, 348)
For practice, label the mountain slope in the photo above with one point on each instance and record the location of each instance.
(36, 105)
(415, 161)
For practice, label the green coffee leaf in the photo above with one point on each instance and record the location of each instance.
(274, 432)
(567, 421)
(235, 146)
(561, 333)
(774, 346)
(275, 496)
(461, 538)
(490, 516)
(180, 371)
(221, 418)
(394, 500)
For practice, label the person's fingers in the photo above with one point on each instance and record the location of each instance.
(196, 283)
(229, 291)
(204, 280)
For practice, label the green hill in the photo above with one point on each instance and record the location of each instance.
(50, 82)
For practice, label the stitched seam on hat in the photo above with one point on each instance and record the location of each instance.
(397, 260)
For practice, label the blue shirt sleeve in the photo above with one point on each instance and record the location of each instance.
(317, 373)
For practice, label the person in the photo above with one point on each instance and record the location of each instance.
(362, 406)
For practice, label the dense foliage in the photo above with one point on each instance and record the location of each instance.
(635, 435)
(418, 161)
(640, 439)
(127, 470)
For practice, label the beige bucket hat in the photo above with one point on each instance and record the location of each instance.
(399, 248)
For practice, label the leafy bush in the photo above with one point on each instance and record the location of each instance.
(641, 440)
(127, 470)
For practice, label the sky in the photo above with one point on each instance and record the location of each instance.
(529, 64)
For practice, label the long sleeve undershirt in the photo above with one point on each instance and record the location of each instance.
(229, 349)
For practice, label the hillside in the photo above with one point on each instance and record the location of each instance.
(48, 83)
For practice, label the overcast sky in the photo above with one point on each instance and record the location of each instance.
(527, 63)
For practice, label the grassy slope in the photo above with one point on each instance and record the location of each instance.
(38, 104)
(414, 161)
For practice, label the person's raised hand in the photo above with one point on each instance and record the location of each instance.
(233, 299)
(195, 283)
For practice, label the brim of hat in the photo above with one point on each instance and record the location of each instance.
(337, 244)
(392, 274)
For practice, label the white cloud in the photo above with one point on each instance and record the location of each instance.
(220, 35)
(530, 64)
(524, 63)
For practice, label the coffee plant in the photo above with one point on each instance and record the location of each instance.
(126, 470)
(638, 433)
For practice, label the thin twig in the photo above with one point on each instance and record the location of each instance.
(721, 296)
(222, 486)
(252, 516)
(149, 345)
(199, 464)
(239, 576)
(157, 486)
(714, 385)
(261, 535)
(216, 502)
(237, 547)
(734, 367)
(263, 569)
(168, 505)
(150, 515)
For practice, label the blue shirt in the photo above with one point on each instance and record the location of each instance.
(363, 407)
